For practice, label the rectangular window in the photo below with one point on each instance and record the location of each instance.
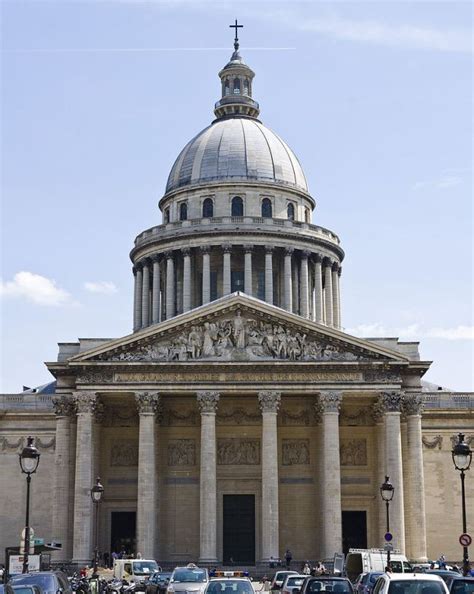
(261, 285)
(213, 285)
(237, 280)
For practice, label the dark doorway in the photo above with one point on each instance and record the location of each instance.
(237, 280)
(239, 529)
(123, 530)
(354, 530)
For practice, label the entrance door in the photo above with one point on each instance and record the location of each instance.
(123, 530)
(354, 530)
(239, 529)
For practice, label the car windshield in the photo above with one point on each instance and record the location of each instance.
(229, 587)
(462, 587)
(144, 567)
(415, 587)
(338, 586)
(23, 589)
(46, 582)
(189, 575)
(295, 581)
(374, 577)
(281, 575)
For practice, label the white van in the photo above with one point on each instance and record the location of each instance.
(364, 560)
(135, 570)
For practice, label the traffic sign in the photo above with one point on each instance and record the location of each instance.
(465, 540)
(388, 547)
(388, 536)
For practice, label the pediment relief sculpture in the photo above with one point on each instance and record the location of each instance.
(239, 338)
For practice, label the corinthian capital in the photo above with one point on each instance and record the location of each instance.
(89, 402)
(330, 401)
(390, 401)
(63, 405)
(147, 402)
(207, 401)
(269, 400)
(413, 404)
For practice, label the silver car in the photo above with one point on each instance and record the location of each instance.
(190, 579)
(292, 582)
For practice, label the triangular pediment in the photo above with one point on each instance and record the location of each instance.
(238, 328)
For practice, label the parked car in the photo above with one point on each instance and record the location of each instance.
(410, 583)
(366, 581)
(232, 585)
(190, 579)
(50, 582)
(158, 582)
(460, 585)
(292, 582)
(366, 560)
(327, 583)
(26, 589)
(278, 578)
(443, 573)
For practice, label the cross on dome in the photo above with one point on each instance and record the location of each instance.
(236, 26)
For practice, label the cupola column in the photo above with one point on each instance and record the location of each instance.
(137, 301)
(155, 301)
(269, 274)
(146, 294)
(328, 291)
(304, 292)
(186, 279)
(287, 280)
(169, 285)
(206, 274)
(226, 271)
(335, 295)
(318, 288)
(248, 271)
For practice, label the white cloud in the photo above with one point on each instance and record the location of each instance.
(412, 332)
(103, 287)
(458, 333)
(35, 288)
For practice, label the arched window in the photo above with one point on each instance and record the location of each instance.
(208, 208)
(237, 207)
(226, 87)
(236, 86)
(183, 211)
(290, 211)
(307, 216)
(166, 216)
(246, 86)
(267, 208)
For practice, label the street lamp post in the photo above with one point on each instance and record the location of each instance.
(96, 495)
(462, 457)
(386, 491)
(29, 460)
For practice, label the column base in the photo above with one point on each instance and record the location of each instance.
(208, 561)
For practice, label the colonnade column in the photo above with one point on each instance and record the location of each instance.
(206, 274)
(137, 309)
(207, 402)
(304, 294)
(391, 402)
(226, 270)
(248, 271)
(147, 404)
(318, 288)
(379, 420)
(415, 509)
(269, 274)
(146, 294)
(335, 295)
(87, 405)
(170, 308)
(328, 290)
(339, 315)
(329, 404)
(155, 301)
(287, 280)
(63, 465)
(186, 278)
(269, 402)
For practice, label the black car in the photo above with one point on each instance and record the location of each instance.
(327, 583)
(158, 582)
(460, 585)
(49, 582)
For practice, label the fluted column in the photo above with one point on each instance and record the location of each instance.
(269, 402)
(147, 404)
(206, 274)
(207, 402)
(335, 294)
(287, 280)
(170, 299)
(155, 301)
(226, 269)
(329, 404)
(318, 288)
(146, 294)
(269, 274)
(415, 488)
(339, 311)
(304, 292)
(390, 403)
(63, 466)
(379, 420)
(137, 308)
(248, 271)
(327, 264)
(186, 279)
(87, 405)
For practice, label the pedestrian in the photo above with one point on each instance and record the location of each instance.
(272, 562)
(388, 569)
(106, 559)
(288, 558)
(306, 569)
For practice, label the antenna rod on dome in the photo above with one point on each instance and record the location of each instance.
(236, 39)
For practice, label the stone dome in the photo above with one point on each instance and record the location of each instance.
(236, 149)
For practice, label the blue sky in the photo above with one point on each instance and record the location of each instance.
(99, 97)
